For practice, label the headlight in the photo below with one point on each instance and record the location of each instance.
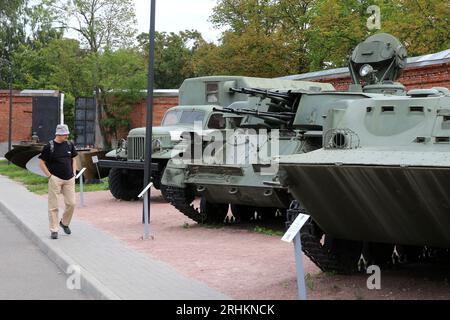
(156, 145)
(365, 70)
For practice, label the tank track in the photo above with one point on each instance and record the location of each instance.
(311, 237)
(318, 254)
(181, 198)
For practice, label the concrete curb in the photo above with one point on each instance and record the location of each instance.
(89, 284)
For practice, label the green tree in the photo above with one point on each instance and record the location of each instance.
(264, 38)
(103, 25)
(58, 65)
(122, 78)
(336, 28)
(173, 56)
(252, 53)
(23, 23)
(318, 34)
(12, 34)
(422, 25)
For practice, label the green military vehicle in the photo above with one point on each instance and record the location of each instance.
(197, 98)
(238, 172)
(380, 185)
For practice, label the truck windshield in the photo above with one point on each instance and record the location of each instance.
(182, 116)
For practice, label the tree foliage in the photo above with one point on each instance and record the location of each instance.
(101, 24)
(174, 54)
(309, 35)
(121, 77)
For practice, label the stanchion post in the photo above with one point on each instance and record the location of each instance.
(293, 233)
(299, 265)
(80, 176)
(146, 215)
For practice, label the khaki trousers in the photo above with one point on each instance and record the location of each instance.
(58, 186)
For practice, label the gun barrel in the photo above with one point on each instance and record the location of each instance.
(280, 116)
(263, 92)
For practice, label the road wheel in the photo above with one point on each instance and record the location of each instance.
(215, 212)
(379, 254)
(409, 253)
(346, 253)
(125, 184)
(243, 213)
(267, 213)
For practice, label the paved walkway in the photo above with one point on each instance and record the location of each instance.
(109, 270)
(26, 272)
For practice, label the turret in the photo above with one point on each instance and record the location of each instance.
(376, 63)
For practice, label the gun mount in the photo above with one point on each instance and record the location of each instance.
(378, 61)
(281, 109)
(281, 118)
(280, 101)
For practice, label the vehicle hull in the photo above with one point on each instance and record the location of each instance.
(390, 204)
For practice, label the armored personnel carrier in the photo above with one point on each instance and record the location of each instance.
(197, 99)
(379, 186)
(239, 173)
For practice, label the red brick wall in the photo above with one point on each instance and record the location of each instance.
(21, 117)
(417, 77)
(138, 115)
(160, 106)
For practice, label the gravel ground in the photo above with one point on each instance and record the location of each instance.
(245, 264)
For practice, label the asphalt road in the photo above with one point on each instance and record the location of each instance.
(25, 272)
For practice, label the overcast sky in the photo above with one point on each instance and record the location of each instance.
(178, 15)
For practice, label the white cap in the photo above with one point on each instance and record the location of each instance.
(62, 129)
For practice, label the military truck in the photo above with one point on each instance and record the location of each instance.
(197, 99)
(248, 185)
(379, 186)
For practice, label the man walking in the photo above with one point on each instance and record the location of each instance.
(57, 161)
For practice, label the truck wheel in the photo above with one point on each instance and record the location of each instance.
(125, 184)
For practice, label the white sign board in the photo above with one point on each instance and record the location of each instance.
(295, 227)
(94, 159)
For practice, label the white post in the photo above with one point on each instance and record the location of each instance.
(293, 233)
(144, 194)
(61, 108)
(299, 264)
(80, 175)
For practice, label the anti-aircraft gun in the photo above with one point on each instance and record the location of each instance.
(379, 181)
(281, 109)
(237, 172)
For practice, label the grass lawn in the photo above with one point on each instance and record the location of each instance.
(38, 184)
